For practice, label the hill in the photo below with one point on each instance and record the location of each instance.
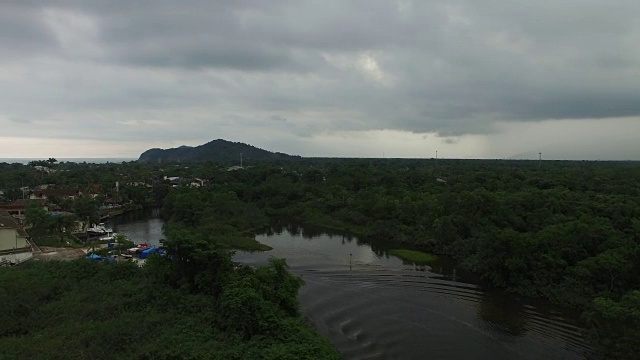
(221, 151)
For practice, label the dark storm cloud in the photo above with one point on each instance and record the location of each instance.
(452, 67)
(22, 32)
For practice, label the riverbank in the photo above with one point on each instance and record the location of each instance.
(425, 246)
(412, 256)
(321, 256)
(119, 211)
(135, 225)
(94, 310)
(378, 298)
(48, 253)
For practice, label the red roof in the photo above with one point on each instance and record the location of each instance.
(22, 204)
(57, 192)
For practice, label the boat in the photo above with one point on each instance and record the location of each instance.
(111, 236)
(99, 229)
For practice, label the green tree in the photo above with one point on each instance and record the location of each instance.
(200, 265)
(607, 269)
(61, 226)
(616, 324)
(86, 209)
(136, 194)
(39, 222)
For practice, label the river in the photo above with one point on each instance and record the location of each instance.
(374, 306)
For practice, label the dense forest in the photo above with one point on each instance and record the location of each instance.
(565, 231)
(194, 303)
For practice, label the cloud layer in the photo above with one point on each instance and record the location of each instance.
(467, 75)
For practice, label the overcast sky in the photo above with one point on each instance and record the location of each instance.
(468, 78)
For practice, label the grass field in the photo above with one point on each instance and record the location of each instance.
(416, 257)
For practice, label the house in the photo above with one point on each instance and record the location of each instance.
(45, 169)
(93, 190)
(139, 184)
(60, 193)
(14, 245)
(234, 168)
(17, 208)
(200, 182)
(111, 202)
(77, 227)
(174, 180)
(197, 182)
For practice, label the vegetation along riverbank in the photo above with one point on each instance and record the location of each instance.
(565, 231)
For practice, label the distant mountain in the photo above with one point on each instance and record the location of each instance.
(221, 151)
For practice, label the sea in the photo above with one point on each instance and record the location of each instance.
(73, 160)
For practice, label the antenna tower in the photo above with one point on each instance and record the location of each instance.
(539, 159)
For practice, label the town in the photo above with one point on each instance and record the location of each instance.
(51, 210)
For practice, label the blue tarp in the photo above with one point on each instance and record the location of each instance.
(146, 253)
(94, 257)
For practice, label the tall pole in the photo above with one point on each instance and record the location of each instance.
(539, 160)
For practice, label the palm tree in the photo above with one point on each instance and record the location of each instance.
(62, 225)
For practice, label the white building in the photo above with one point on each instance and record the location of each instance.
(14, 246)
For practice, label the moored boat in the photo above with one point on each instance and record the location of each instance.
(111, 236)
(99, 229)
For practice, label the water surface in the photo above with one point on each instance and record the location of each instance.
(373, 306)
(140, 226)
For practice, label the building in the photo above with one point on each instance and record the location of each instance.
(93, 191)
(140, 184)
(59, 193)
(78, 225)
(174, 180)
(14, 245)
(200, 182)
(18, 208)
(45, 169)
